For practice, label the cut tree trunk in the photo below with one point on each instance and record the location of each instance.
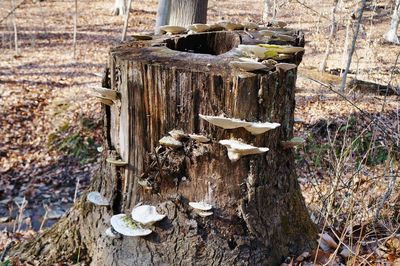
(259, 215)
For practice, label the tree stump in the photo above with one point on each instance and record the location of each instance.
(259, 215)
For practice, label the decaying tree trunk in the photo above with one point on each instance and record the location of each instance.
(164, 84)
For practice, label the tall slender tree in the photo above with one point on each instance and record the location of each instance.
(391, 34)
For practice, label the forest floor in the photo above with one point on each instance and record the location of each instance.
(50, 127)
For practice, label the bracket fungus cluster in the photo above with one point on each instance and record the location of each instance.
(105, 95)
(136, 224)
(254, 128)
(116, 162)
(293, 142)
(237, 149)
(97, 199)
(202, 208)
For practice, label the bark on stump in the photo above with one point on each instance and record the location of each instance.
(164, 84)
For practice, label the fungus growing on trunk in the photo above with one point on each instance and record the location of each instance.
(170, 142)
(146, 215)
(124, 225)
(201, 208)
(116, 162)
(97, 199)
(237, 149)
(178, 134)
(230, 26)
(105, 93)
(257, 51)
(224, 122)
(283, 49)
(247, 65)
(198, 27)
(169, 29)
(293, 142)
(199, 138)
(111, 232)
(259, 128)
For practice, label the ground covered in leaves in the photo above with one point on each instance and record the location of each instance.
(50, 127)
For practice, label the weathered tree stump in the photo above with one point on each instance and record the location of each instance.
(164, 84)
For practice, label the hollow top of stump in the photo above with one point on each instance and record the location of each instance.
(205, 51)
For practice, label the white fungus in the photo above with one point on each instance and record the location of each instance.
(146, 214)
(237, 149)
(97, 199)
(124, 225)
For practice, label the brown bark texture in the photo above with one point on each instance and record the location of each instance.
(164, 84)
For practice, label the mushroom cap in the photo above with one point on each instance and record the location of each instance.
(142, 37)
(173, 29)
(201, 205)
(280, 24)
(169, 141)
(284, 37)
(228, 25)
(146, 214)
(199, 138)
(104, 100)
(257, 51)
(250, 25)
(285, 66)
(198, 27)
(110, 233)
(248, 66)
(177, 134)
(293, 142)
(283, 49)
(224, 122)
(237, 149)
(105, 93)
(204, 214)
(117, 162)
(124, 225)
(215, 27)
(97, 199)
(259, 128)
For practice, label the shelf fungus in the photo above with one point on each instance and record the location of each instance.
(170, 29)
(198, 27)
(97, 199)
(116, 162)
(201, 208)
(260, 128)
(146, 215)
(280, 24)
(293, 142)
(142, 37)
(177, 134)
(256, 51)
(248, 65)
(199, 138)
(170, 142)
(282, 49)
(285, 66)
(230, 26)
(250, 26)
(105, 93)
(111, 232)
(224, 122)
(124, 225)
(237, 149)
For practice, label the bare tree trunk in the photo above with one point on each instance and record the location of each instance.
(75, 27)
(14, 22)
(126, 21)
(353, 45)
(119, 8)
(259, 216)
(163, 11)
(267, 10)
(186, 12)
(331, 37)
(391, 34)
